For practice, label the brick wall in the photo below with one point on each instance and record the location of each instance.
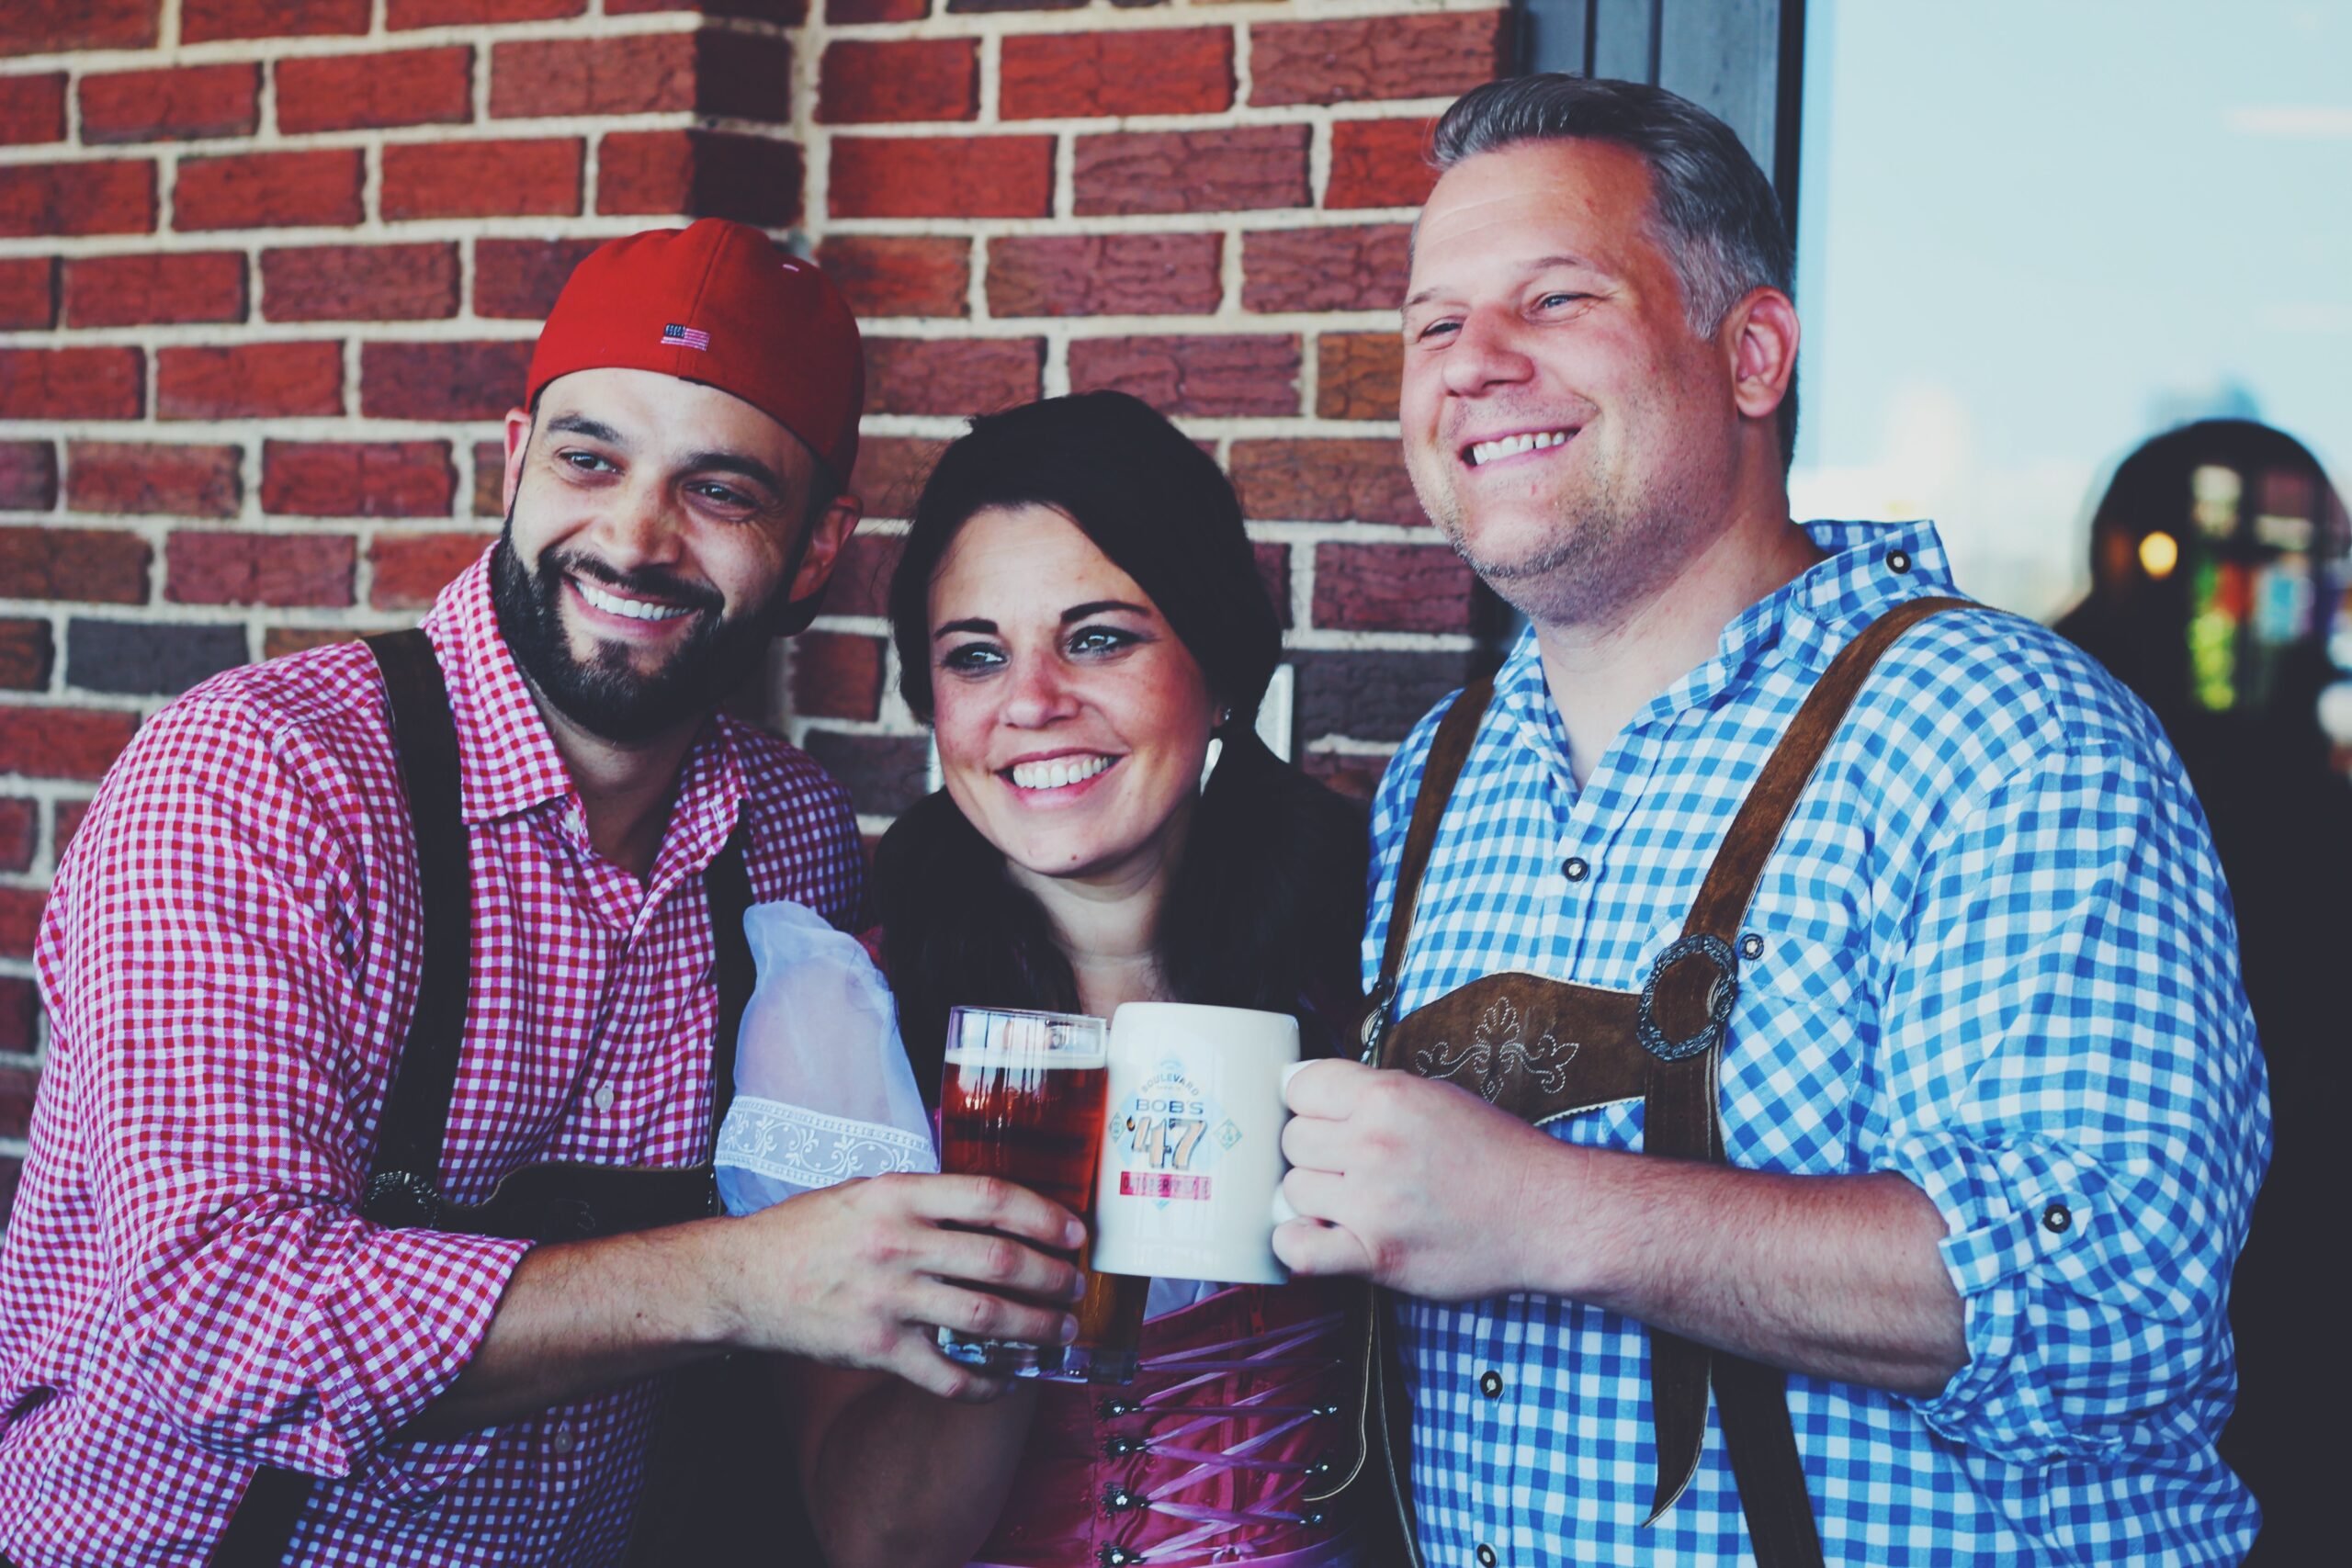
(269, 271)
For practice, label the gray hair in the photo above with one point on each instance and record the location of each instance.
(1717, 216)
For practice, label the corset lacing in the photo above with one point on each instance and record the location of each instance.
(1275, 1352)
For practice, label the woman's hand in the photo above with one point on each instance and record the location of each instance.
(864, 1274)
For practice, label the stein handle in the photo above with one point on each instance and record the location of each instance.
(1284, 1214)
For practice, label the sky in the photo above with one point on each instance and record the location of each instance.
(2033, 232)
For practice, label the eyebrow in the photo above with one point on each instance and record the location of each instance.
(581, 424)
(1541, 263)
(984, 628)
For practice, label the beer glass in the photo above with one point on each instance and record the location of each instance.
(1023, 1098)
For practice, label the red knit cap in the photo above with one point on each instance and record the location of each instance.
(716, 303)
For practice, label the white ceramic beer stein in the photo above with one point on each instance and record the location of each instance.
(1191, 1178)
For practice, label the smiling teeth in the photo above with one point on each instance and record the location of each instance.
(1059, 771)
(635, 609)
(1513, 445)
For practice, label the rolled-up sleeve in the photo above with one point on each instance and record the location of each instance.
(216, 1047)
(2074, 1081)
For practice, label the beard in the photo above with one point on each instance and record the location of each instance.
(607, 695)
(1597, 547)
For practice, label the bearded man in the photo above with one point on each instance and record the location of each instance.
(392, 990)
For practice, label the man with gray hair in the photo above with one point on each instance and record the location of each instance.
(1829, 1110)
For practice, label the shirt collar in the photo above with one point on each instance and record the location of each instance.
(1867, 566)
(508, 763)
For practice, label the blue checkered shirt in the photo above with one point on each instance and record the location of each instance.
(1997, 957)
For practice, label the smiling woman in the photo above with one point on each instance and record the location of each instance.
(1079, 612)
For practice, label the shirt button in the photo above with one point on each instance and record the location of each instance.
(1490, 1384)
(562, 1441)
(2057, 1220)
(604, 1097)
(1575, 869)
(1751, 946)
(1486, 1555)
(1899, 561)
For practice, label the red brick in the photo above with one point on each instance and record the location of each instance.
(786, 11)
(1106, 274)
(202, 20)
(16, 1089)
(276, 642)
(103, 196)
(72, 383)
(28, 293)
(1353, 268)
(836, 675)
(490, 478)
(254, 380)
(891, 472)
(1206, 376)
(350, 91)
(736, 75)
(103, 566)
(1436, 55)
(1352, 773)
(20, 920)
(357, 479)
(940, 176)
(47, 742)
(182, 102)
(1191, 171)
(861, 80)
(1158, 70)
(884, 774)
(360, 283)
(950, 376)
(1357, 374)
(1379, 163)
(520, 278)
(849, 13)
(705, 173)
(1371, 695)
(12, 1172)
(987, 5)
(893, 275)
(1398, 588)
(32, 108)
(202, 568)
(1323, 480)
(152, 480)
(413, 568)
(27, 476)
(861, 585)
(155, 286)
(400, 14)
(51, 27)
(19, 833)
(534, 177)
(25, 654)
(1273, 570)
(19, 1006)
(269, 190)
(69, 822)
(442, 380)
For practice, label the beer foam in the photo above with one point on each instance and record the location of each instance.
(1005, 1038)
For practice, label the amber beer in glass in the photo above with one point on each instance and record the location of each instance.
(1022, 1098)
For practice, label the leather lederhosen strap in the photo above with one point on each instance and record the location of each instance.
(547, 1203)
(1543, 1049)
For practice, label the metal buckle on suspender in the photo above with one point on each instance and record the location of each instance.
(1375, 1020)
(1720, 997)
(401, 1200)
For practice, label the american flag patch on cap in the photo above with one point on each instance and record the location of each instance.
(676, 336)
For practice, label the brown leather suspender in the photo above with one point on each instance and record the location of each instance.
(1591, 1047)
(554, 1201)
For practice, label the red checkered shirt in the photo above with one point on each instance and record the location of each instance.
(230, 961)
